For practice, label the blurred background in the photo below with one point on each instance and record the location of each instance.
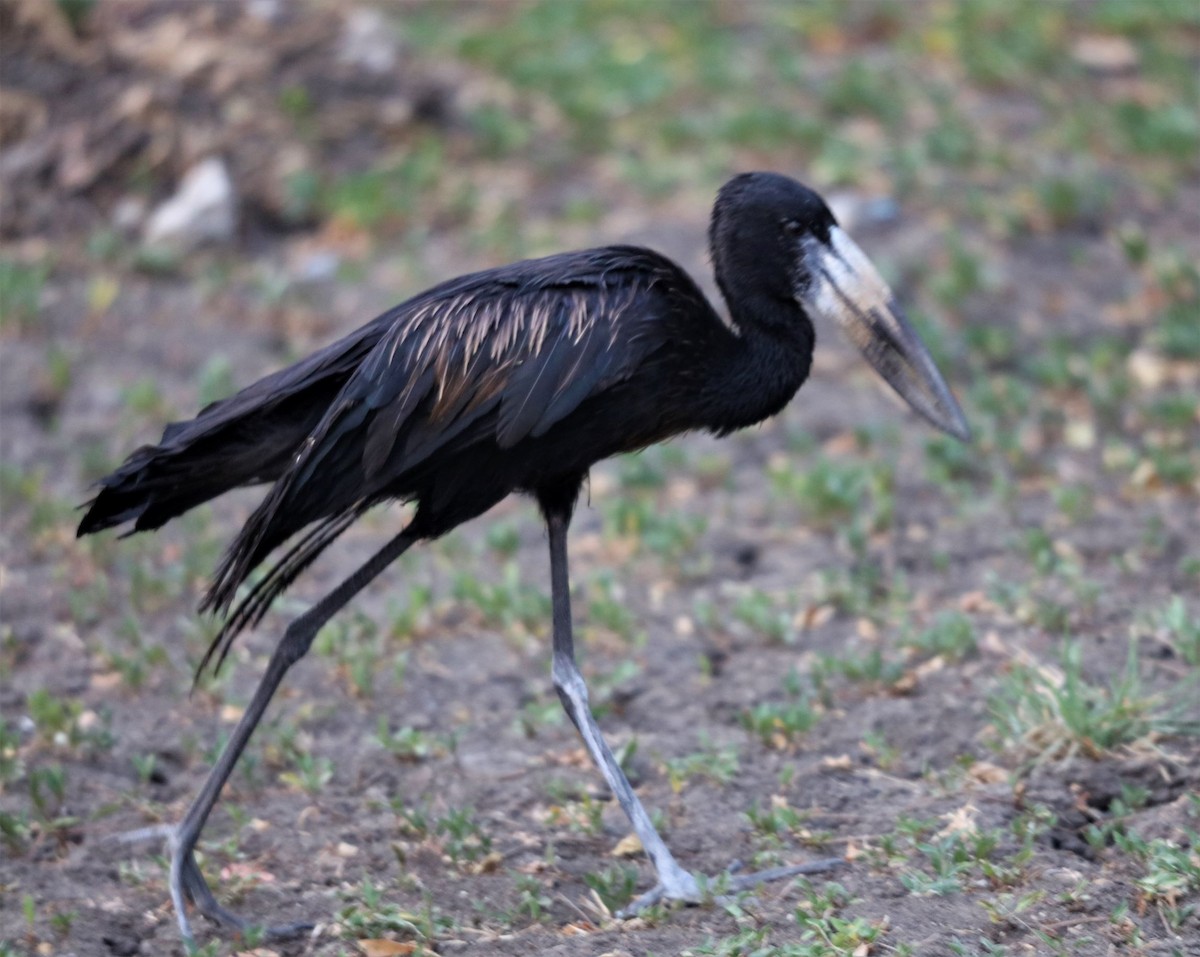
(990, 650)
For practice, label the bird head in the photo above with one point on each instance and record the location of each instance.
(774, 233)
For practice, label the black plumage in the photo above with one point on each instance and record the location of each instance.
(515, 379)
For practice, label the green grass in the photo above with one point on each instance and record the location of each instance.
(951, 634)
(781, 724)
(1046, 713)
(711, 763)
(368, 914)
(1179, 627)
(21, 287)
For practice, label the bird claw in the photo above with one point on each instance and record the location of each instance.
(721, 889)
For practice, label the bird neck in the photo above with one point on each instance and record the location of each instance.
(768, 358)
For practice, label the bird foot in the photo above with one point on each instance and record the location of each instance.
(188, 884)
(722, 888)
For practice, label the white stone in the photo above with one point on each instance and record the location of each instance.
(269, 11)
(367, 41)
(203, 210)
(128, 214)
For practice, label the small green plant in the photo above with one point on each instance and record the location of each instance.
(215, 380)
(357, 644)
(832, 492)
(367, 915)
(769, 616)
(585, 816)
(144, 765)
(47, 794)
(463, 837)
(719, 765)
(14, 831)
(512, 603)
(951, 634)
(670, 534)
(20, 293)
(948, 461)
(503, 538)
(407, 743)
(871, 667)
(779, 820)
(780, 724)
(533, 901)
(613, 885)
(1172, 878)
(1052, 714)
(823, 931)
(311, 773)
(1180, 628)
(1178, 332)
(887, 755)
(12, 767)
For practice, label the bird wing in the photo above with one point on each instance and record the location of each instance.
(499, 359)
(499, 356)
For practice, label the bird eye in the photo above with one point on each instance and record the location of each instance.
(792, 227)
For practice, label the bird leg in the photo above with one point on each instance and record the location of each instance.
(674, 883)
(187, 883)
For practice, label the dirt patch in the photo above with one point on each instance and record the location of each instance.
(124, 105)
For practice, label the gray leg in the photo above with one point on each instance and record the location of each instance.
(674, 883)
(186, 881)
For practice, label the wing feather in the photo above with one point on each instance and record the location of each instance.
(491, 358)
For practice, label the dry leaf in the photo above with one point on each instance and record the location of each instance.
(386, 948)
(106, 681)
(814, 616)
(993, 644)
(629, 846)
(488, 864)
(905, 684)
(977, 602)
(916, 533)
(1104, 53)
(961, 821)
(243, 871)
(844, 443)
(842, 762)
(986, 773)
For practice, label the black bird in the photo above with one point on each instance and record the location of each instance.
(516, 379)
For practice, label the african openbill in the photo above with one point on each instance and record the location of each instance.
(514, 379)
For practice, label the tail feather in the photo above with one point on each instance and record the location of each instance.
(160, 482)
(247, 439)
(254, 605)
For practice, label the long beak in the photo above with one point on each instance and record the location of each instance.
(846, 288)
